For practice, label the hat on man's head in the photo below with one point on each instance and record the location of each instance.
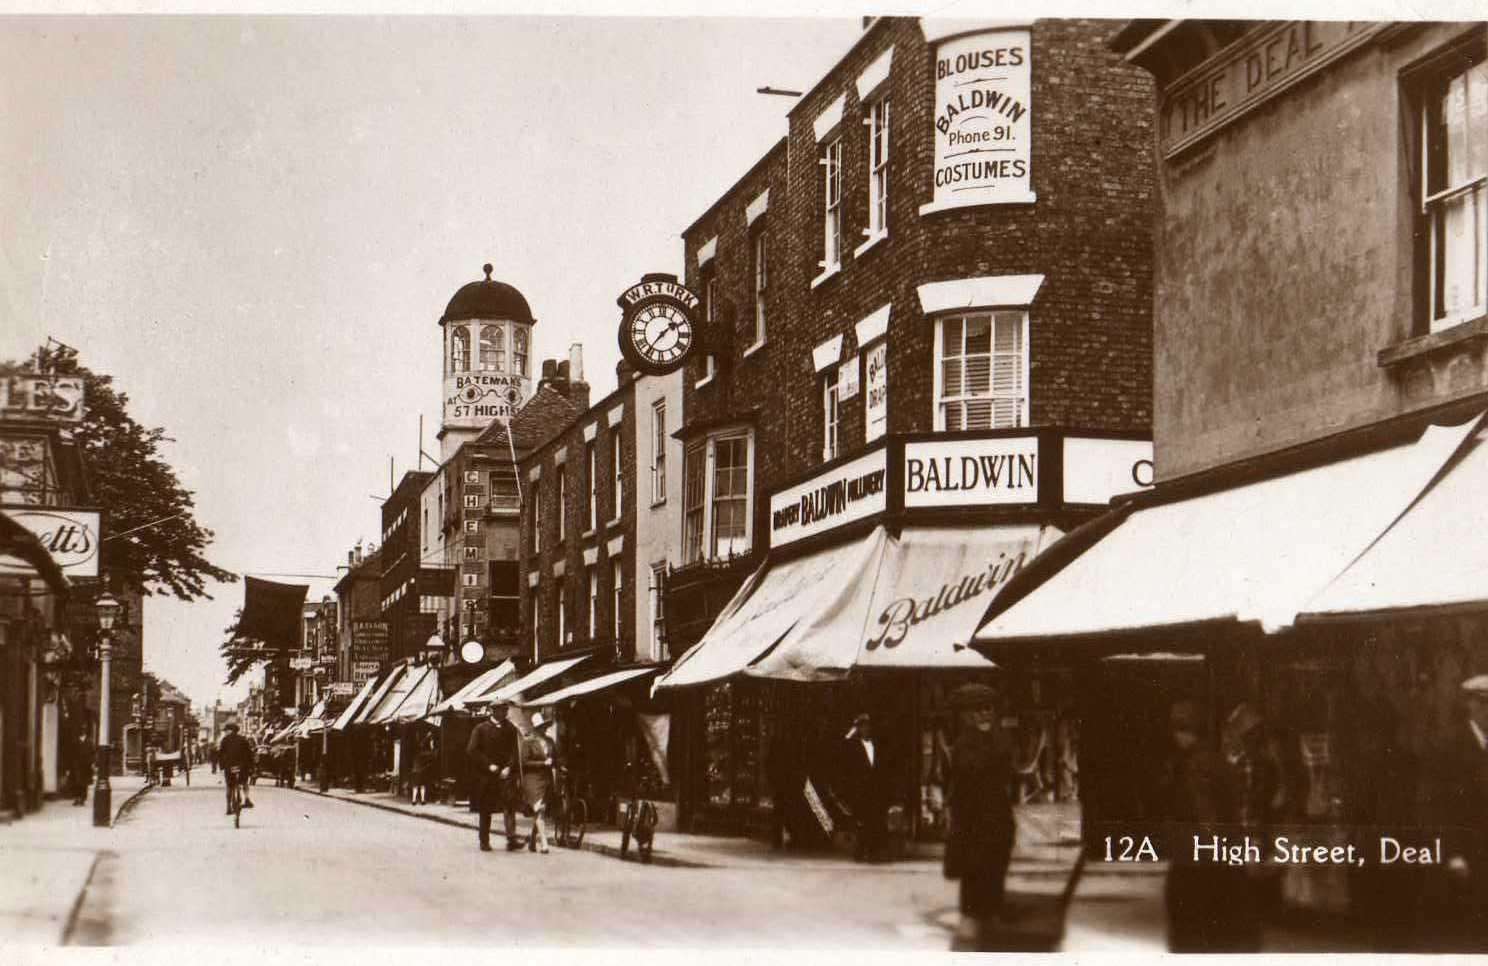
(230, 726)
(497, 707)
(973, 696)
(1476, 686)
(862, 718)
(539, 720)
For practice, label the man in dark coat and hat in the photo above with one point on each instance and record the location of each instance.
(979, 845)
(1209, 902)
(864, 781)
(494, 751)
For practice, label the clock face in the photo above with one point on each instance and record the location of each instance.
(661, 334)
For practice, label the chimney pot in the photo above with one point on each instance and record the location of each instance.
(550, 369)
(576, 361)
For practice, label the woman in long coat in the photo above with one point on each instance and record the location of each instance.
(980, 844)
(537, 777)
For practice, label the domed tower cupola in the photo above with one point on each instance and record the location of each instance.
(487, 359)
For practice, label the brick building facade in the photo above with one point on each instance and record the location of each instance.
(848, 283)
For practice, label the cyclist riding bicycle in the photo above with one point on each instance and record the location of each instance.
(235, 754)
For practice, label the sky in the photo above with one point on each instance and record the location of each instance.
(254, 223)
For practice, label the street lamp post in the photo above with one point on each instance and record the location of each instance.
(103, 792)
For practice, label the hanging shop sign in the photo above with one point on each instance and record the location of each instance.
(971, 472)
(70, 536)
(983, 120)
(29, 395)
(343, 689)
(364, 671)
(301, 663)
(849, 492)
(658, 324)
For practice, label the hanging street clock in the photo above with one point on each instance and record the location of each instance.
(659, 324)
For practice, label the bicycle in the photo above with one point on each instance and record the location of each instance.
(640, 824)
(570, 812)
(235, 795)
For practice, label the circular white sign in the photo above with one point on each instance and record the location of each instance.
(471, 652)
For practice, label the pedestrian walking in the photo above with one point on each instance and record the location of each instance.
(537, 777)
(80, 767)
(979, 844)
(1209, 903)
(864, 780)
(494, 750)
(425, 771)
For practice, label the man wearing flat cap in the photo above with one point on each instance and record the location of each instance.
(494, 750)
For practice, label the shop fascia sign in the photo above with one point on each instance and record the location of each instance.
(29, 395)
(846, 493)
(971, 472)
(1009, 470)
(70, 536)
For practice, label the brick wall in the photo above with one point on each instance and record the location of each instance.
(1089, 234)
(577, 537)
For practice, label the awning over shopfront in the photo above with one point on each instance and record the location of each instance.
(512, 690)
(1255, 553)
(22, 554)
(397, 696)
(421, 697)
(1434, 559)
(313, 723)
(773, 601)
(357, 704)
(378, 701)
(592, 686)
(906, 601)
(927, 597)
(285, 733)
(486, 681)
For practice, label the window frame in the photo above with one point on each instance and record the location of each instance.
(497, 347)
(746, 498)
(658, 611)
(592, 572)
(591, 467)
(617, 588)
(831, 162)
(1431, 82)
(617, 475)
(710, 316)
(534, 494)
(658, 452)
(878, 165)
(939, 399)
(831, 414)
(760, 258)
(460, 348)
(562, 502)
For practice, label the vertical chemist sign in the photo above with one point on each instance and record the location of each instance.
(983, 124)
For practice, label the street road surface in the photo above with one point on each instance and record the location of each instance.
(306, 869)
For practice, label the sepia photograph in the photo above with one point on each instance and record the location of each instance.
(774, 479)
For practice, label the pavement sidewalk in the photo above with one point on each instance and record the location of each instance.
(1044, 856)
(48, 856)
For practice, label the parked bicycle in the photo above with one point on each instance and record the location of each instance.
(570, 812)
(640, 825)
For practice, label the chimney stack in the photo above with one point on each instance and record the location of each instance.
(576, 361)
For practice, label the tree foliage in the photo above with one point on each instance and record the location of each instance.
(136, 488)
(238, 653)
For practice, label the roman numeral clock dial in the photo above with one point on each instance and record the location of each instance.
(656, 330)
